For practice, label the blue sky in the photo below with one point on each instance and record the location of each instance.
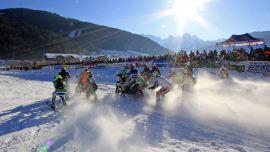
(223, 17)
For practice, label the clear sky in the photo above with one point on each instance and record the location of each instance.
(211, 20)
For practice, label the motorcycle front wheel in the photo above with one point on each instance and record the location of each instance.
(119, 91)
(138, 93)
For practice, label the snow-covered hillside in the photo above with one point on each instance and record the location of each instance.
(231, 115)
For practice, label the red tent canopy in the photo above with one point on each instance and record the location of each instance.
(241, 40)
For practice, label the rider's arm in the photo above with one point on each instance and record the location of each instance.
(155, 85)
(54, 84)
(68, 75)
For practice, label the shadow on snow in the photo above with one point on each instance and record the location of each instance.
(27, 116)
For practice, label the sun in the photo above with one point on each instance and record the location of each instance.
(185, 10)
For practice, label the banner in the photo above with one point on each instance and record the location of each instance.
(257, 66)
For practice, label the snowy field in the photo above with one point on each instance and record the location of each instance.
(230, 115)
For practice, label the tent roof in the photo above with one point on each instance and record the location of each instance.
(240, 39)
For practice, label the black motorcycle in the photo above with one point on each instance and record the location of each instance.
(133, 89)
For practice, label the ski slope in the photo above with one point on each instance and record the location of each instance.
(230, 115)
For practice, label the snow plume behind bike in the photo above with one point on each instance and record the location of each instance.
(123, 124)
(239, 103)
(98, 126)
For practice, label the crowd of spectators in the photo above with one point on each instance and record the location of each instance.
(197, 56)
(235, 55)
(199, 59)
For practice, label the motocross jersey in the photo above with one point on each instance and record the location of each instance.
(124, 72)
(141, 81)
(64, 75)
(84, 77)
(59, 85)
(160, 81)
(133, 74)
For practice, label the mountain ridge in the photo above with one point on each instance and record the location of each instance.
(192, 42)
(63, 35)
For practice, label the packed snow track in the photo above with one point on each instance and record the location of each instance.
(230, 115)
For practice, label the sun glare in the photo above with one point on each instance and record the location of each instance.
(187, 10)
(183, 11)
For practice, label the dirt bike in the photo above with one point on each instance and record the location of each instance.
(188, 83)
(224, 75)
(55, 94)
(133, 89)
(184, 80)
(86, 88)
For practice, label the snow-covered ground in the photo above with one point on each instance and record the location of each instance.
(116, 53)
(231, 115)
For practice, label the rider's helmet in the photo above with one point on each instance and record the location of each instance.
(58, 77)
(155, 68)
(132, 66)
(154, 74)
(63, 69)
(85, 69)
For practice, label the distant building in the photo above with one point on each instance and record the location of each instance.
(102, 58)
(63, 57)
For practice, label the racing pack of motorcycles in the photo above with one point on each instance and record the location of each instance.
(130, 82)
(183, 78)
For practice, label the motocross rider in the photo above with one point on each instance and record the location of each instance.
(165, 85)
(60, 89)
(223, 72)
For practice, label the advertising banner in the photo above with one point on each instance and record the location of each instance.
(257, 66)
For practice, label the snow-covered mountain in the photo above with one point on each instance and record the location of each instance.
(184, 42)
(191, 42)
